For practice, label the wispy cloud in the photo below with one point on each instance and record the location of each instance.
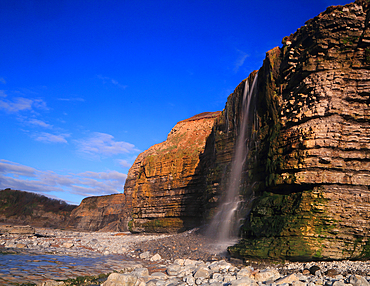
(51, 138)
(124, 163)
(106, 79)
(16, 169)
(104, 144)
(2, 80)
(2, 93)
(25, 178)
(21, 104)
(72, 99)
(240, 60)
(39, 123)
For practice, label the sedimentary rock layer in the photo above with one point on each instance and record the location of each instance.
(105, 213)
(164, 187)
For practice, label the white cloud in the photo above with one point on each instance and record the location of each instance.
(40, 123)
(16, 169)
(2, 93)
(106, 79)
(124, 163)
(104, 144)
(72, 99)
(110, 175)
(2, 80)
(51, 138)
(21, 104)
(25, 178)
(240, 60)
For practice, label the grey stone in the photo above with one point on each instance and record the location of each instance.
(357, 280)
(299, 283)
(287, 279)
(190, 262)
(245, 272)
(189, 280)
(244, 281)
(156, 257)
(144, 255)
(116, 279)
(140, 272)
(52, 283)
(267, 274)
(228, 278)
(201, 272)
(159, 275)
(173, 269)
(339, 283)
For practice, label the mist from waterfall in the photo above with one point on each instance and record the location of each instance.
(226, 222)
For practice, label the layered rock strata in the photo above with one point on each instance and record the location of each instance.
(312, 197)
(164, 187)
(104, 213)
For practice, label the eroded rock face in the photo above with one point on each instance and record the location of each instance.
(164, 187)
(104, 213)
(312, 193)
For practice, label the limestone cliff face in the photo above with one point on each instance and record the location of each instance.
(164, 187)
(103, 213)
(310, 162)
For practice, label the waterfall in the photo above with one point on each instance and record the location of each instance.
(226, 222)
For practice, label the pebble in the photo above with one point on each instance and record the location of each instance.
(52, 255)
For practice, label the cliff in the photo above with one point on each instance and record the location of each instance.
(23, 208)
(103, 213)
(309, 165)
(164, 187)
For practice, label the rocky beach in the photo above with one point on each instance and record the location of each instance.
(57, 257)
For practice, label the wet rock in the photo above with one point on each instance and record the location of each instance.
(331, 273)
(314, 269)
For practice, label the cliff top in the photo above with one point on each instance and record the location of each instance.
(202, 115)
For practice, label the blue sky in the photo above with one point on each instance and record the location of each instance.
(85, 86)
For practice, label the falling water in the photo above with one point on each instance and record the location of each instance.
(225, 224)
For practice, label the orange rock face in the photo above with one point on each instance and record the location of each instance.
(164, 187)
